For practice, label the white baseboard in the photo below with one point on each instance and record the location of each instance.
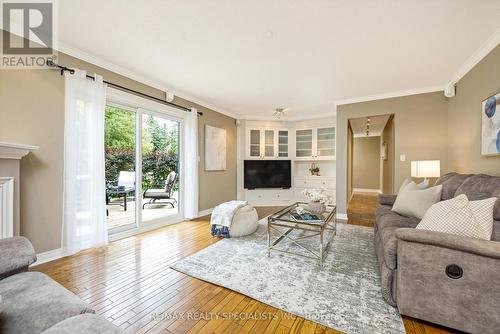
(59, 253)
(204, 212)
(48, 256)
(367, 190)
(342, 216)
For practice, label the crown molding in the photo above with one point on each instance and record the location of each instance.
(477, 56)
(472, 61)
(285, 118)
(389, 95)
(92, 59)
(469, 64)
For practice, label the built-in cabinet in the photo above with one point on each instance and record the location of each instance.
(315, 143)
(302, 182)
(267, 143)
(302, 142)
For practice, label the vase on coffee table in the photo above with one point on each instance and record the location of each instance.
(316, 207)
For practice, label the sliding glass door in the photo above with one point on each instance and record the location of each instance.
(142, 167)
(160, 167)
(120, 147)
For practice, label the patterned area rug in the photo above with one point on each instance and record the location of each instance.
(345, 295)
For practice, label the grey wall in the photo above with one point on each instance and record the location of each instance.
(387, 164)
(32, 112)
(420, 123)
(366, 163)
(464, 117)
(429, 126)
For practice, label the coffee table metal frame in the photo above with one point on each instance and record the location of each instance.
(327, 228)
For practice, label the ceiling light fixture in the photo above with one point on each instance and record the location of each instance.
(279, 112)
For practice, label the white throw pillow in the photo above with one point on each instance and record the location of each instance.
(422, 185)
(462, 217)
(414, 202)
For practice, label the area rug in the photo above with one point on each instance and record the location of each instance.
(345, 295)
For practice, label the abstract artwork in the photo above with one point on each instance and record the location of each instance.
(490, 130)
(215, 148)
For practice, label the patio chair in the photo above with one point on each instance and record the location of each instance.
(156, 196)
(126, 185)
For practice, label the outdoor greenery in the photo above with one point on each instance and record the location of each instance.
(159, 146)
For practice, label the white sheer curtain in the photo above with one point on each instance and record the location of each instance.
(84, 223)
(191, 164)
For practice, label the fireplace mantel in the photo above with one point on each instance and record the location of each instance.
(15, 150)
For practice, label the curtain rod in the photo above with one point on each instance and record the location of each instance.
(51, 63)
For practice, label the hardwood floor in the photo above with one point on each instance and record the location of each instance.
(361, 209)
(130, 283)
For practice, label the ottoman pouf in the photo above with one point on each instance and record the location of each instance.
(245, 222)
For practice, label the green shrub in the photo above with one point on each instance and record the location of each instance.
(155, 166)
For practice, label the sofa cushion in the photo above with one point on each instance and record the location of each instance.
(495, 235)
(34, 302)
(393, 219)
(386, 238)
(482, 186)
(451, 182)
(83, 324)
(388, 243)
(382, 210)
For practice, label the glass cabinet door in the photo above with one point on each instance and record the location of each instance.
(303, 143)
(269, 143)
(255, 143)
(325, 139)
(282, 143)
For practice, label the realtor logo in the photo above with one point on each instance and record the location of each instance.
(28, 34)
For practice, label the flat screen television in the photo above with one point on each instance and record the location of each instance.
(267, 174)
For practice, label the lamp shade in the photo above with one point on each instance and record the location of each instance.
(426, 168)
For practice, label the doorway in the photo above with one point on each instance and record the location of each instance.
(370, 164)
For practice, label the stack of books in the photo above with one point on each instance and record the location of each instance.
(305, 218)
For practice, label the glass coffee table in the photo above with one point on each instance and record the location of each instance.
(289, 232)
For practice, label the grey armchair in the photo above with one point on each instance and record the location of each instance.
(31, 302)
(442, 278)
(17, 255)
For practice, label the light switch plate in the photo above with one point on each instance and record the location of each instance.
(402, 157)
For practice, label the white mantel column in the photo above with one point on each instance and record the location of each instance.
(10, 156)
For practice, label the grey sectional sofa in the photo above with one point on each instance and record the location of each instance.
(445, 279)
(31, 302)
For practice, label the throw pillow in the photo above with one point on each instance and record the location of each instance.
(422, 185)
(462, 217)
(414, 202)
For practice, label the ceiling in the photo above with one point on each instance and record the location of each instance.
(377, 125)
(250, 57)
